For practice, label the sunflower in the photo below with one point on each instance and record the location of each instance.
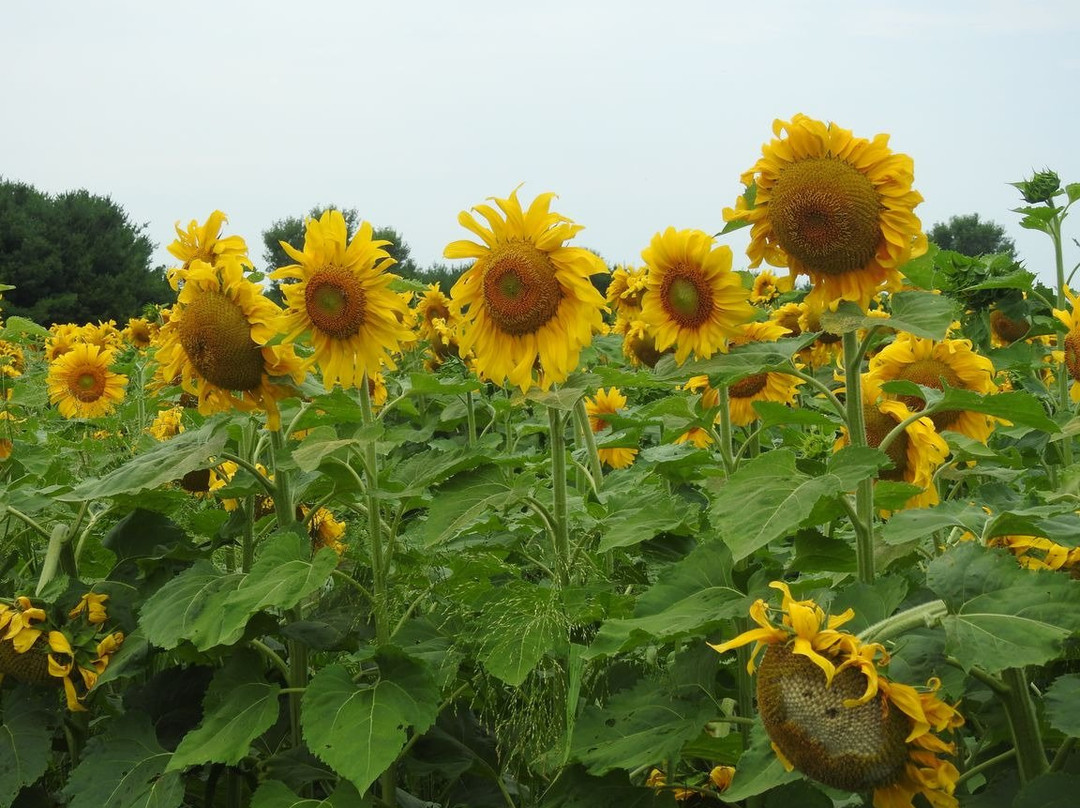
(342, 298)
(432, 305)
(915, 454)
(693, 300)
(833, 715)
(12, 359)
(767, 287)
(104, 334)
(1071, 341)
(204, 242)
(935, 364)
(527, 304)
(61, 339)
(609, 402)
(167, 423)
(826, 349)
(324, 530)
(768, 386)
(639, 342)
(625, 291)
(697, 436)
(214, 342)
(832, 206)
(81, 384)
(1039, 552)
(139, 332)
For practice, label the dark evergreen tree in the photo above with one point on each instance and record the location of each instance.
(971, 237)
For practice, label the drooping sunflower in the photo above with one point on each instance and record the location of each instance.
(639, 343)
(833, 715)
(693, 300)
(205, 243)
(215, 341)
(609, 402)
(325, 530)
(697, 436)
(916, 453)
(81, 384)
(61, 338)
(1071, 340)
(625, 291)
(769, 386)
(527, 304)
(342, 299)
(933, 364)
(832, 206)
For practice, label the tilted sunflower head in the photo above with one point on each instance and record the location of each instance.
(833, 206)
(527, 304)
(830, 713)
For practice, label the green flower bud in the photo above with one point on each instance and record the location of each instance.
(1042, 187)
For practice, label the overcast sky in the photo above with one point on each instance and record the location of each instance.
(639, 118)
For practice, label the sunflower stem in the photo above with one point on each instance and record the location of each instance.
(596, 469)
(856, 424)
(986, 764)
(1023, 725)
(724, 416)
(470, 415)
(924, 615)
(1063, 377)
(1063, 753)
(556, 427)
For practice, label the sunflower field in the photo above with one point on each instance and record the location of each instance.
(723, 536)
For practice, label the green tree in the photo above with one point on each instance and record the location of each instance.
(75, 257)
(969, 236)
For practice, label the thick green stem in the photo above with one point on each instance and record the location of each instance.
(556, 427)
(1024, 725)
(921, 616)
(284, 507)
(856, 425)
(582, 418)
(380, 554)
(1063, 377)
(724, 414)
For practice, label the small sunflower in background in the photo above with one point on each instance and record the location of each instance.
(694, 301)
(140, 332)
(767, 287)
(639, 343)
(782, 388)
(527, 304)
(935, 364)
(609, 402)
(81, 383)
(916, 453)
(341, 297)
(12, 359)
(624, 293)
(832, 206)
(324, 529)
(827, 348)
(831, 713)
(214, 343)
(167, 423)
(1071, 320)
(62, 336)
(104, 334)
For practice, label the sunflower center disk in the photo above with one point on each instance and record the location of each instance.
(825, 214)
(217, 340)
(1072, 353)
(335, 302)
(89, 384)
(931, 373)
(854, 748)
(751, 385)
(521, 292)
(686, 297)
(878, 426)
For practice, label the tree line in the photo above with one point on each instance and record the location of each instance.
(77, 257)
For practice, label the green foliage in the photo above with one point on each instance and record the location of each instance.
(969, 236)
(74, 258)
(25, 739)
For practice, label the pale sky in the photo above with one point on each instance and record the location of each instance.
(639, 115)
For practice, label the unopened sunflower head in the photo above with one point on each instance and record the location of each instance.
(831, 714)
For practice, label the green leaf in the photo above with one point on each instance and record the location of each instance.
(239, 706)
(774, 413)
(462, 501)
(638, 515)
(527, 623)
(576, 788)
(782, 496)
(759, 769)
(322, 443)
(125, 768)
(1072, 191)
(275, 794)
(1001, 615)
(919, 523)
(359, 730)
(16, 326)
(1054, 790)
(637, 727)
(566, 396)
(428, 384)
(923, 314)
(741, 361)
(145, 534)
(162, 464)
(30, 716)
(1062, 701)
(208, 607)
(891, 495)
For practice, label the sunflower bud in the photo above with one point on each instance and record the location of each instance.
(1042, 187)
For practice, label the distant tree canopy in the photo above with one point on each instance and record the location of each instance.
(969, 236)
(74, 257)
